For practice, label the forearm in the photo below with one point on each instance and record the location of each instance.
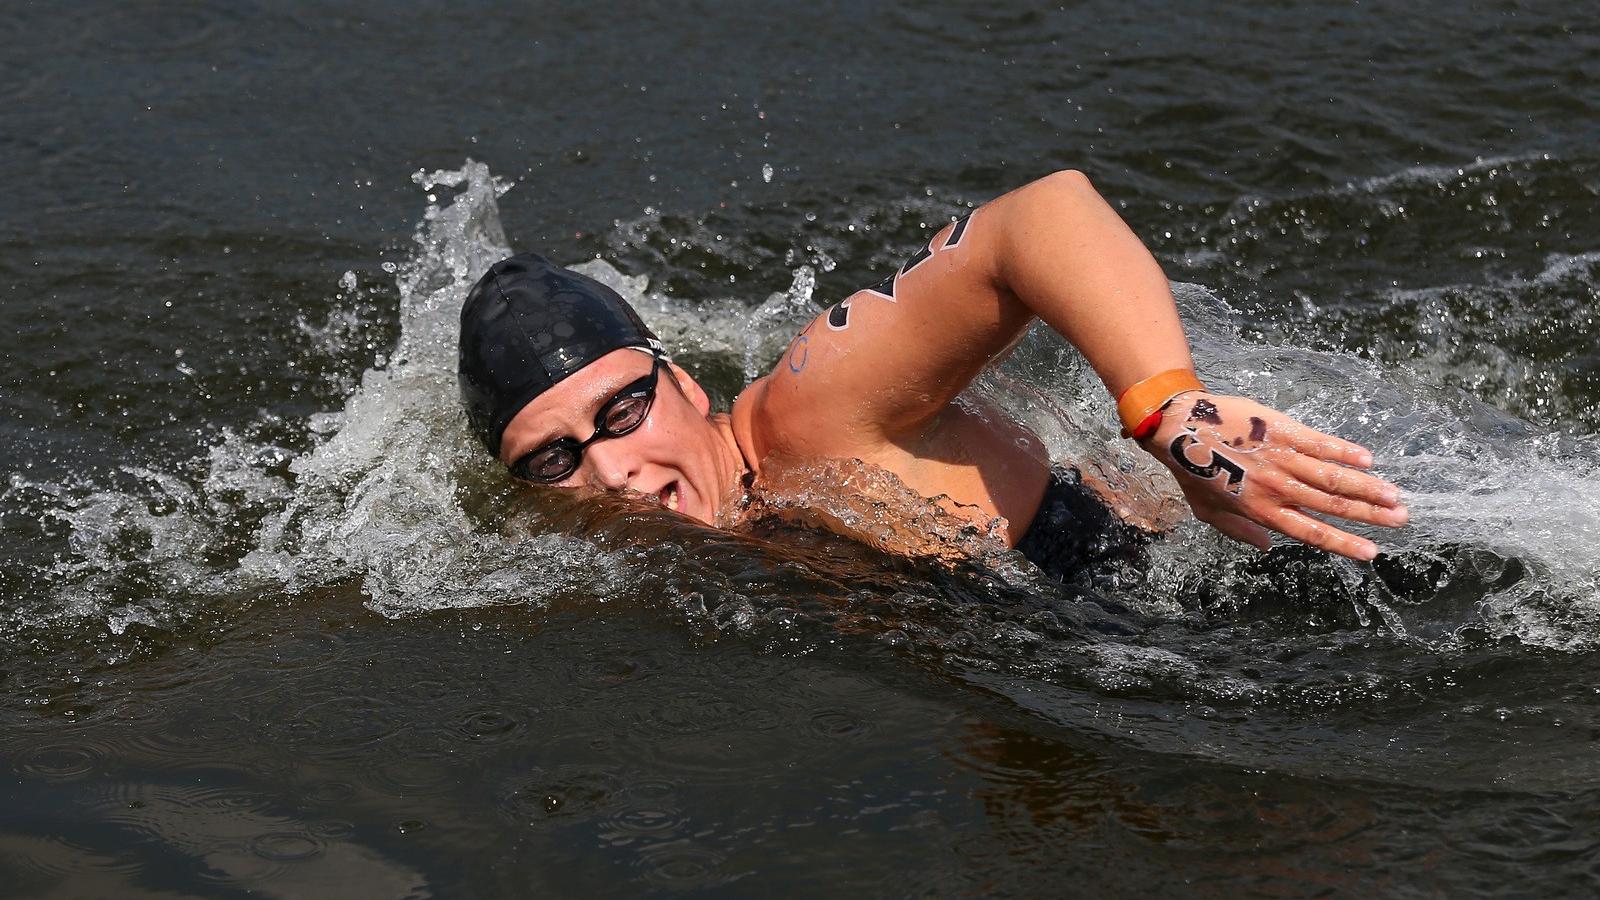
(1067, 256)
(1064, 255)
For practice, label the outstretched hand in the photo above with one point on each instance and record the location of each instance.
(1245, 468)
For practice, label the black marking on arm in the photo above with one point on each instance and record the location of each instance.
(1217, 465)
(916, 259)
(1258, 429)
(839, 316)
(957, 232)
(885, 288)
(1205, 411)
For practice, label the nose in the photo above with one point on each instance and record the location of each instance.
(610, 464)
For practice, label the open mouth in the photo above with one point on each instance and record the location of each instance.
(669, 496)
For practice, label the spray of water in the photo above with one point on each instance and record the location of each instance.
(394, 494)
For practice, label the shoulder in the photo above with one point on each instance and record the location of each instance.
(769, 416)
(750, 427)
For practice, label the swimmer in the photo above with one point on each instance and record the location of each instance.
(566, 386)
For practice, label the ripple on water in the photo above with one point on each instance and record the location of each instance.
(608, 672)
(57, 856)
(329, 793)
(286, 846)
(680, 865)
(415, 777)
(713, 737)
(227, 800)
(156, 28)
(241, 836)
(833, 689)
(335, 728)
(1206, 815)
(469, 731)
(650, 790)
(432, 742)
(642, 821)
(567, 791)
(234, 863)
(839, 725)
(331, 829)
(304, 651)
(431, 690)
(187, 816)
(185, 737)
(699, 712)
(61, 762)
(487, 726)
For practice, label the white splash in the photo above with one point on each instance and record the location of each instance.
(380, 498)
(388, 494)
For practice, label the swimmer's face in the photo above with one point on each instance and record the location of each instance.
(673, 454)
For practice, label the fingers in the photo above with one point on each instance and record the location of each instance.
(1320, 534)
(1322, 446)
(1240, 529)
(1295, 493)
(1341, 481)
(1299, 472)
(1338, 498)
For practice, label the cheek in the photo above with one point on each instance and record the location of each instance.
(665, 437)
(676, 440)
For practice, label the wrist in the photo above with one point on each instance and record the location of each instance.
(1139, 407)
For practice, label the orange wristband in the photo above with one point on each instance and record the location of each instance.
(1139, 407)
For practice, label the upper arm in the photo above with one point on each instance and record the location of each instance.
(882, 362)
(879, 366)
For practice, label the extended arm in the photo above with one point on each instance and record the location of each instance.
(882, 364)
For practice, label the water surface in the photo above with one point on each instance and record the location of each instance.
(272, 624)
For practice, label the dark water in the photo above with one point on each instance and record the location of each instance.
(271, 625)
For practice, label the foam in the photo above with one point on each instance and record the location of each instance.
(394, 495)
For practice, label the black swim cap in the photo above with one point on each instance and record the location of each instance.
(526, 325)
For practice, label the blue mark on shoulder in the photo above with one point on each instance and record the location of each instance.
(799, 347)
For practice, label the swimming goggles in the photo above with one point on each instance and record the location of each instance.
(622, 414)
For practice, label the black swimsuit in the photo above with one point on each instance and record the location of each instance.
(1074, 538)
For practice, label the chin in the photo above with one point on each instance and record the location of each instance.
(700, 511)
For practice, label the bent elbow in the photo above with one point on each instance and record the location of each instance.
(1072, 179)
(1056, 192)
(1066, 185)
